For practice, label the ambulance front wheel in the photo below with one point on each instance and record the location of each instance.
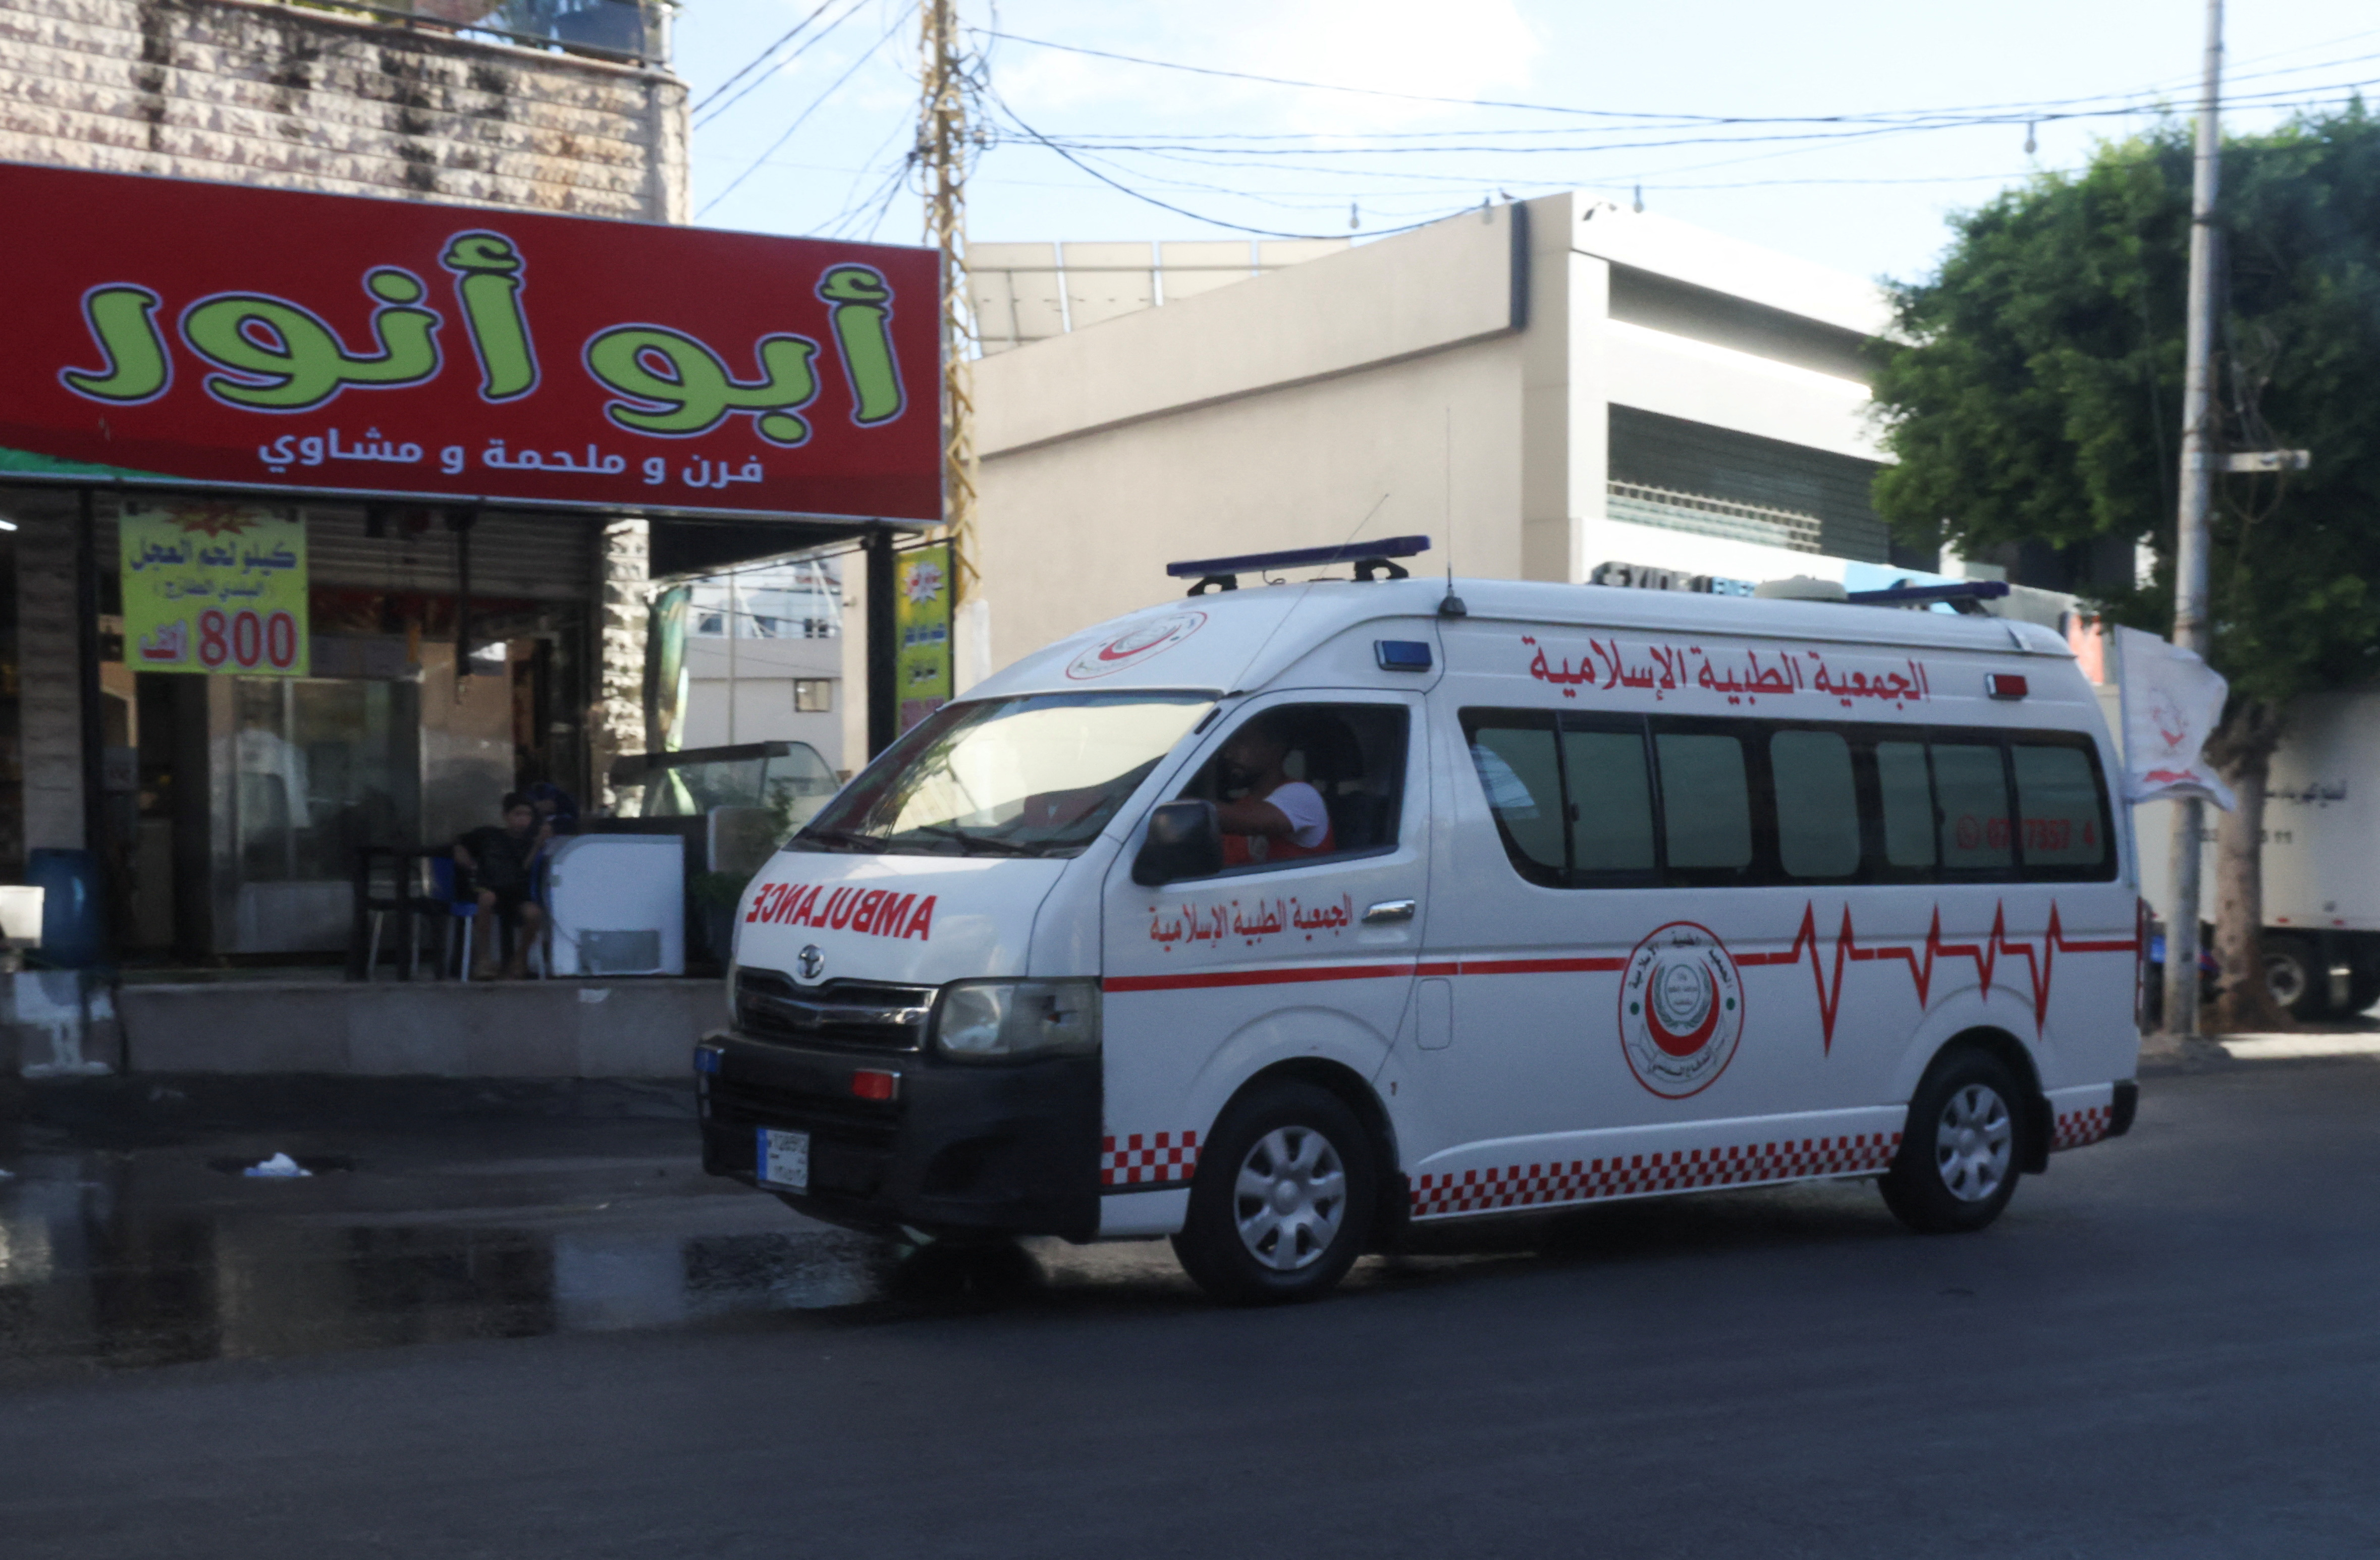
(1282, 1200)
(1958, 1162)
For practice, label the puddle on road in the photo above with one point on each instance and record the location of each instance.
(128, 1260)
(98, 1265)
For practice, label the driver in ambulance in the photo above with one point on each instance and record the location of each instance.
(1273, 818)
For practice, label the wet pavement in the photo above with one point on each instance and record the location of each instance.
(150, 1247)
(528, 1332)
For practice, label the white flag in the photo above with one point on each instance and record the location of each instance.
(2172, 701)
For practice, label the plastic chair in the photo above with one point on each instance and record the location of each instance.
(404, 901)
(445, 890)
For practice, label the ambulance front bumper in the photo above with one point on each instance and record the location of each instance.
(955, 1149)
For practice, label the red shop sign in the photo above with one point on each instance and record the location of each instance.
(168, 328)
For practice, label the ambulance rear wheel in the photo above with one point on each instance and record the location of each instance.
(1958, 1162)
(1281, 1202)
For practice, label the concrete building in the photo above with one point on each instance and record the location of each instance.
(1543, 388)
(764, 657)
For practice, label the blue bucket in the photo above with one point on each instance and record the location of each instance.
(74, 925)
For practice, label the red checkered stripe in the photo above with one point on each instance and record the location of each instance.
(1148, 1158)
(1639, 1175)
(2078, 1129)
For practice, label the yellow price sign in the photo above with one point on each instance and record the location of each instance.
(216, 588)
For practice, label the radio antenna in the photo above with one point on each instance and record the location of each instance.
(1308, 589)
(1451, 607)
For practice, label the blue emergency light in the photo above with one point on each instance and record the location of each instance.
(1906, 595)
(1372, 560)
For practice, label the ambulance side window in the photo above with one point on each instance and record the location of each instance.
(1908, 796)
(2062, 805)
(1706, 804)
(1611, 800)
(1348, 758)
(1817, 804)
(1520, 770)
(1571, 795)
(1971, 789)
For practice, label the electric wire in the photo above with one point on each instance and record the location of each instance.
(816, 103)
(714, 115)
(754, 63)
(1184, 210)
(2001, 113)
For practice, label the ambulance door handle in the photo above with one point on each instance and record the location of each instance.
(1389, 912)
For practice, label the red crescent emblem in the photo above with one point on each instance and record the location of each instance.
(1685, 1045)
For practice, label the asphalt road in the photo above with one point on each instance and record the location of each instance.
(2168, 1348)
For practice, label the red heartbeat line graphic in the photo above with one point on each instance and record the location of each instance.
(1986, 955)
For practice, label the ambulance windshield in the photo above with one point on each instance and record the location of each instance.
(1035, 775)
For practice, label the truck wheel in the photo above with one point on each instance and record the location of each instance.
(2363, 986)
(1282, 1199)
(1958, 1162)
(2295, 977)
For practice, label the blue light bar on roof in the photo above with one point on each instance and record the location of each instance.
(1301, 557)
(1926, 595)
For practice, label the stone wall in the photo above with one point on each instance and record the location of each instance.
(277, 95)
(49, 686)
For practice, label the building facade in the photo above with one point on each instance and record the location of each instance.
(1544, 389)
(453, 655)
(765, 658)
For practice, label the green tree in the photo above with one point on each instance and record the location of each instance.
(2034, 395)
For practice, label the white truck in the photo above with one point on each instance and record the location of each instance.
(2322, 870)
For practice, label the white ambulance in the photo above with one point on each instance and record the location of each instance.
(1279, 920)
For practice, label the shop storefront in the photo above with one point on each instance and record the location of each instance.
(332, 517)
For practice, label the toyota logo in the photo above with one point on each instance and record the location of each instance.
(811, 962)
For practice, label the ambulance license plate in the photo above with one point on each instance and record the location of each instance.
(783, 1160)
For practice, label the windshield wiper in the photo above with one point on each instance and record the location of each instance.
(840, 837)
(971, 842)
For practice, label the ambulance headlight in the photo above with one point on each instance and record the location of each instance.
(1017, 1020)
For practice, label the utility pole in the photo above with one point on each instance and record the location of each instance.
(2190, 628)
(942, 147)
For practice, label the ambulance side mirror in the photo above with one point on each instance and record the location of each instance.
(1184, 841)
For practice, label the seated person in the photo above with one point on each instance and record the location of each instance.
(501, 862)
(555, 807)
(1273, 818)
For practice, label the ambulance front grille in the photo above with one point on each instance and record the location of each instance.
(839, 1015)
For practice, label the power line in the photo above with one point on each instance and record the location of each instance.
(754, 63)
(1991, 113)
(802, 118)
(1853, 129)
(1185, 211)
(712, 116)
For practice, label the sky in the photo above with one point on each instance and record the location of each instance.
(1616, 99)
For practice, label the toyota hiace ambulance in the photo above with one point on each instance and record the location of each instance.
(1277, 920)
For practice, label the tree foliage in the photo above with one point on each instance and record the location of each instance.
(2034, 393)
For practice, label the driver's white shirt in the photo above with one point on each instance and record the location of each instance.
(1309, 820)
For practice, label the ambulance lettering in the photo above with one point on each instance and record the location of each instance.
(875, 911)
